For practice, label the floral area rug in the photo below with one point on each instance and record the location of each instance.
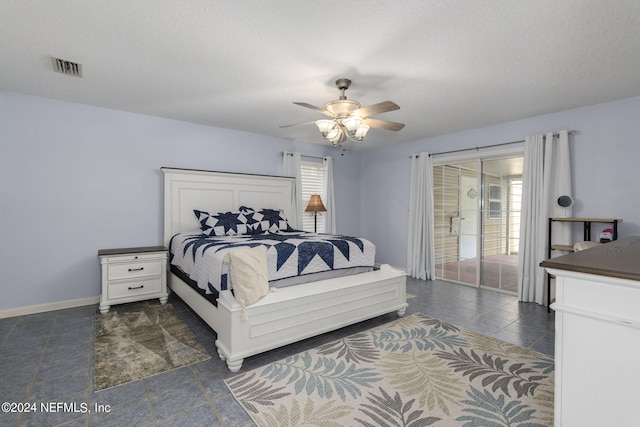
(137, 340)
(415, 371)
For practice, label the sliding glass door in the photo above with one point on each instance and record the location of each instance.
(455, 196)
(477, 221)
(502, 191)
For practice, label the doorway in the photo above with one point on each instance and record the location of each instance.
(477, 221)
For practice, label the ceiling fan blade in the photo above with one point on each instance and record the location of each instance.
(297, 124)
(380, 107)
(313, 107)
(383, 124)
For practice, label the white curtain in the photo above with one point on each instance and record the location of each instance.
(546, 176)
(291, 166)
(420, 252)
(329, 203)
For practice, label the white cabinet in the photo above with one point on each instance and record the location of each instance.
(597, 347)
(133, 274)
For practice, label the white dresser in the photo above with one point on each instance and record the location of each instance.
(133, 274)
(597, 349)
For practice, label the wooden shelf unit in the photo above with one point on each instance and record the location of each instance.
(586, 235)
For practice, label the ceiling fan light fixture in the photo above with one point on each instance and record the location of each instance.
(341, 107)
(349, 120)
(335, 136)
(360, 133)
(325, 127)
(352, 124)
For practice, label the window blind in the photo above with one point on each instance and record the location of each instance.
(312, 183)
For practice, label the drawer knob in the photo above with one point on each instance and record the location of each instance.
(136, 269)
(135, 287)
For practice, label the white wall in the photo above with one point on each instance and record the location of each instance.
(346, 177)
(76, 179)
(604, 159)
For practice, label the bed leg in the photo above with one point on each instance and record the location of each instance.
(234, 365)
(401, 311)
(221, 355)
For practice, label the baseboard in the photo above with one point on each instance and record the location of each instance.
(41, 308)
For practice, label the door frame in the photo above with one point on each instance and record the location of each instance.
(517, 150)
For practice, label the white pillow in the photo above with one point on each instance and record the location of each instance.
(248, 275)
(580, 246)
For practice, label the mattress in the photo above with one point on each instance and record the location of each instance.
(292, 257)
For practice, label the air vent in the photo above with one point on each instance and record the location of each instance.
(66, 67)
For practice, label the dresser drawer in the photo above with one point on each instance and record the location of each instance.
(130, 270)
(134, 288)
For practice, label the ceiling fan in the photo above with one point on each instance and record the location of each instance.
(349, 120)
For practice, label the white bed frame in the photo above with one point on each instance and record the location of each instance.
(292, 313)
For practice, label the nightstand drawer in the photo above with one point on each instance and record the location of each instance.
(136, 257)
(131, 270)
(134, 288)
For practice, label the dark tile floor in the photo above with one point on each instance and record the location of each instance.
(48, 358)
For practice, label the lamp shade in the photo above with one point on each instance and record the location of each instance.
(315, 204)
(336, 136)
(325, 126)
(352, 124)
(360, 133)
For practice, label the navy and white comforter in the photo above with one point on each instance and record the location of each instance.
(289, 254)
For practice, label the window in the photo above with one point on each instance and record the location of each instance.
(495, 201)
(312, 183)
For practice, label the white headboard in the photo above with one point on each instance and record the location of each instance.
(187, 189)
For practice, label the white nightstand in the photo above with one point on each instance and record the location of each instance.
(133, 274)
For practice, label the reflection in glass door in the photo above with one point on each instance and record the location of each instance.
(468, 218)
(456, 195)
(502, 190)
(477, 221)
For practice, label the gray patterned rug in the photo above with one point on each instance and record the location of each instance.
(415, 371)
(137, 340)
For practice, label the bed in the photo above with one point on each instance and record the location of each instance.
(294, 312)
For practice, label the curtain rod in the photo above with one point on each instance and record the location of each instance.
(302, 155)
(571, 132)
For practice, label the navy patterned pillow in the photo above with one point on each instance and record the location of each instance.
(223, 223)
(253, 226)
(202, 218)
(270, 220)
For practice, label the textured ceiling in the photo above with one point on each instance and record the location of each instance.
(450, 65)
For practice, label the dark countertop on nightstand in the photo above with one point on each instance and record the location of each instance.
(124, 251)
